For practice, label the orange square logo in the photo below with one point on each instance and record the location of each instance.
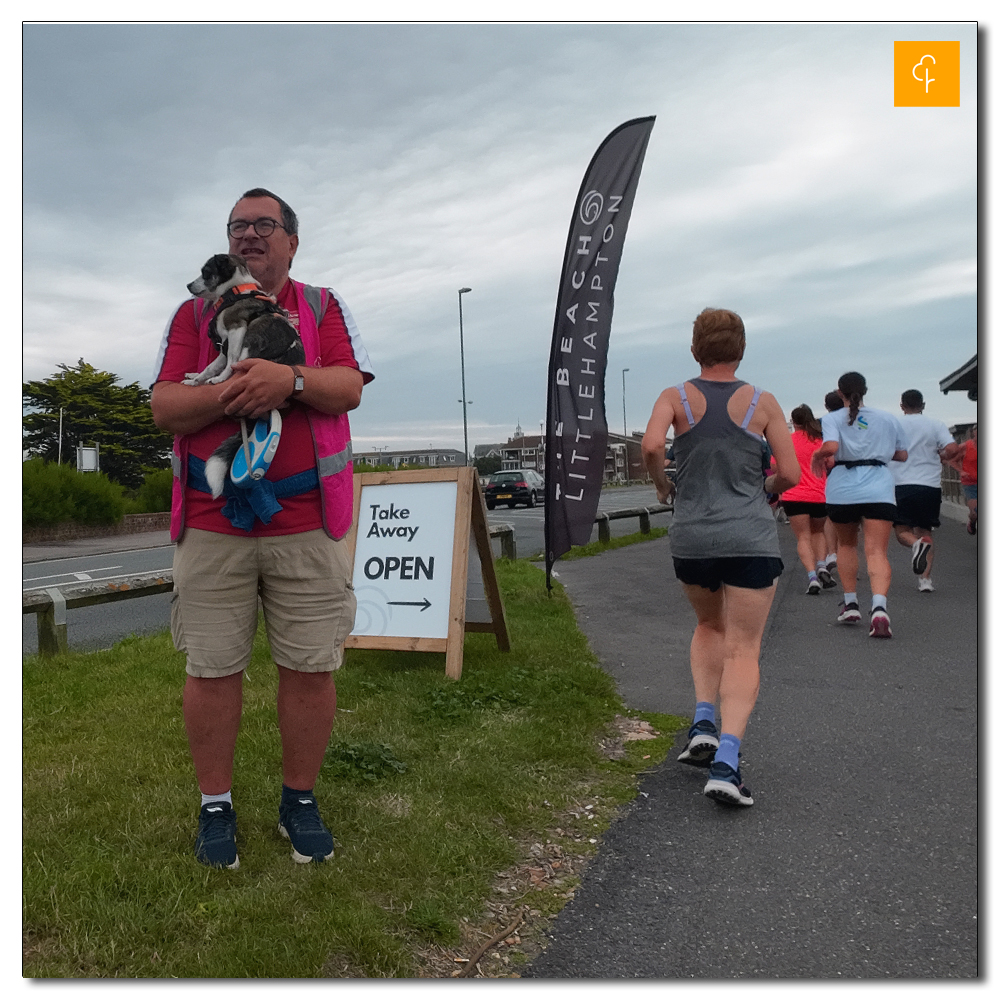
(925, 74)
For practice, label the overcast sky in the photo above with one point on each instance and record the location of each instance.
(779, 181)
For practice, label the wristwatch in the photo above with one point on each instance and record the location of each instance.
(300, 382)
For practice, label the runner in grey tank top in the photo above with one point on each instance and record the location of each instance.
(720, 509)
(723, 537)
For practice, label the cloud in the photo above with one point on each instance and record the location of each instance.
(779, 180)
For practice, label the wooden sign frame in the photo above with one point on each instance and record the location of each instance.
(470, 517)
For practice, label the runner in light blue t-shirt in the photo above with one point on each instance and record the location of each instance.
(874, 434)
(858, 444)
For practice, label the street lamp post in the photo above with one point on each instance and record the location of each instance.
(624, 421)
(461, 345)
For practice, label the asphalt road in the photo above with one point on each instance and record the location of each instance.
(102, 625)
(859, 857)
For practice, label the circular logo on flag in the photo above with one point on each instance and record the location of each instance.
(590, 207)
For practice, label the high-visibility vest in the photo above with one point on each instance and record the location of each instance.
(331, 433)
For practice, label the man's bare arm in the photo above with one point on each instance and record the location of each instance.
(185, 409)
(255, 388)
(259, 386)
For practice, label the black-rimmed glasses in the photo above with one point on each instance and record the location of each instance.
(262, 227)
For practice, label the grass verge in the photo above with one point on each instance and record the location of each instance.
(458, 805)
(595, 548)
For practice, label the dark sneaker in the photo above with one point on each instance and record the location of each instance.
(299, 821)
(831, 565)
(920, 549)
(703, 741)
(826, 579)
(726, 787)
(813, 588)
(850, 614)
(880, 625)
(215, 844)
(970, 527)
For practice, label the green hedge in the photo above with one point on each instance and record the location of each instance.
(154, 494)
(52, 494)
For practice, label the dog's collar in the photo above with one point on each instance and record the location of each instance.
(247, 291)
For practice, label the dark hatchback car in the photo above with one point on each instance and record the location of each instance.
(513, 487)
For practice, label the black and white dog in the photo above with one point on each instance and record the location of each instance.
(249, 323)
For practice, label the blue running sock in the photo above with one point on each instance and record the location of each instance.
(878, 600)
(225, 796)
(820, 564)
(851, 598)
(704, 711)
(729, 751)
(812, 576)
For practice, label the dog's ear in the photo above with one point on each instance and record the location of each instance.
(221, 266)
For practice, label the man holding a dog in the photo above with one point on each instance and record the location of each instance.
(297, 562)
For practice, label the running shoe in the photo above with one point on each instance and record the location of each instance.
(850, 614)
(299, 822)
(215, 844)
(920, 549)
(261, 445)
(703, 741)
(825, 578)
(726, 787)
(880, 625)
(831, 564)
(970, 527)
(813, 588)
(924, 585)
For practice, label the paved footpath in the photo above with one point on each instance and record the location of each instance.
(859, 858)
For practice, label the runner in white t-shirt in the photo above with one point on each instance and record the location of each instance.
(918, 483)
(858, 444)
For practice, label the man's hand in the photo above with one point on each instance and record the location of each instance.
(256, 387)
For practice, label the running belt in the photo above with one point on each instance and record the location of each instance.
(851, 463)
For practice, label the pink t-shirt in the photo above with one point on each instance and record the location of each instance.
(295, 452)
(810, 489)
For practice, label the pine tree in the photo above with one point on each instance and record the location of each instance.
(96, 410)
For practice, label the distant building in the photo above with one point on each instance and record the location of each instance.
(622, 460)
(524, 452)
(964, 379)
(431, 457)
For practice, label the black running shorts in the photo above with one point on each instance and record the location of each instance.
(918, 506)
(852, 513)
(749, 572)
(793, 507)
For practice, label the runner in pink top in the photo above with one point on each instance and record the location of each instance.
(805, 504)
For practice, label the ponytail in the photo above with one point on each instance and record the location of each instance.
(854, 387)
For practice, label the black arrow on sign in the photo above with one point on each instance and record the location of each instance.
(423, 605)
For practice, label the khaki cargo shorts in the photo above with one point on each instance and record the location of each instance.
(304, 585)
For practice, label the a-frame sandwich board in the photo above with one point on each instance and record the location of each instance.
(410, 553)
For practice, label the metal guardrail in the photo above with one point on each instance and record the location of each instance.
(49, 604)
(603, 520)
